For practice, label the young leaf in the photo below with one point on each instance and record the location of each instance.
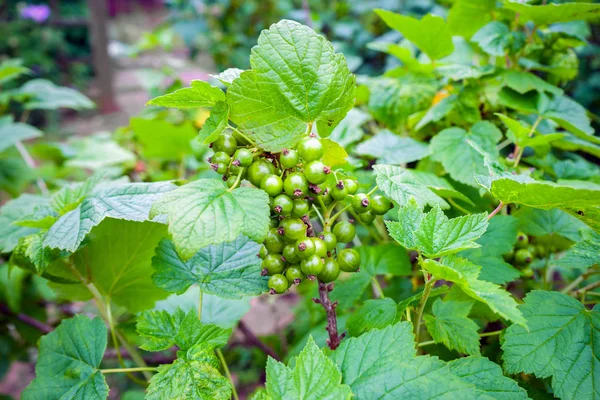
(296, 80)
(127, 201)
(216, 123)
(552, 13)
(356, 356)
(494, 38)
(313, 377)
(433, 233)
(68, 362)
(451, 326)
(389, 148)
(488, 378)
(561, 342)
(13, 211)
(16, 132)
(430, 34)
(229, 270)
(205, 212)
(163, 330)
(199, 94)
(373, 314)
(459, 158)
(523, 82)
(465, 275)
(402, 185)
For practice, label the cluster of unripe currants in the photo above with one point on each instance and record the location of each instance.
(525, 251)
(301, 187)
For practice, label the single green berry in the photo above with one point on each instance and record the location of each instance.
(243, 157)
(278, 284)
(219, 168)
(288, 158)
(231, 180)
(380, 204)
(541, 251)
(258, 170)
(282, 205)
(225, 143)
(361, 203)
(523, 257)
(527, 272)
(294, 274)
(272, 264)
(351, 185)
(329, 239)
(235, 170)
(325, 194)
(301, 207)
(508, 257)
(320, 247)
(339, 191)
(274, 242)
(263, 252)
(220, 157)
(533, 250)
(331, 271)
(349, 260)
(290, 253)
(316, 172)
(522, 241)
(312, 266)
(344, 232)
(366, 218)
(305, 248)
(292, 228)
(295, 185)
(272, 184)
(310, 149)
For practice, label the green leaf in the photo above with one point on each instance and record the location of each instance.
(16, 132)
(389, 148)
(467, 16)
(401, 185)
(228, 76)
(313, 377)
(451, 326)
(194, 375)
(31, 254)
(570, 115)
(334, 154)
(393, 100)
(127, 201)
(163, 330)
(98, 152)
(537, 222)
(117, 260)
(524, 135)
(433, 233)
(296, 80)
(68, 362)
(161, 139)
(216, 123)
(488, 378)
(205, 212)
(349, 130)
(465, 275)
(494, 38)
(462, 161)
(45, 95)
(199, 94)
(523, 82)
(561, 342)
(11, 69)
(229, 269)
(356, 356)
(430, 34)
(373, 314)
(11, 286)
(584, 254)
(443, 107)
(553, 13)
(13, 211)
(456, 72)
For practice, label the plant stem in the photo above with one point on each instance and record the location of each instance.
(319, 215)
(372, 190)
(200, 296)
(26, 319)
(458, 207)
(378, 286)
(252, 142)
(567, 289)
(227, 373)
(486, 334)
(426, 292)
(519, 151)
(237, 181)
(126, 370)
(332, 219)
(256, 341)
(496, 210)
(31, 164)
(334, 339)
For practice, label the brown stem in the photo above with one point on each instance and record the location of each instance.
(256, 341)
(39, 325)
(334, 339)
(496, 210)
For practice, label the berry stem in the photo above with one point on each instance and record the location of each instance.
(496, 210)
(237, 181)
(334, 339)
(332, 219)
(372, 190)
(319, 215)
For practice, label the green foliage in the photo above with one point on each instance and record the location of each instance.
(199, 94)
(449, 324)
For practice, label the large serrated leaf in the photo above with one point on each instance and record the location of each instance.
(296, 80)
(199, 94)
(205, 212)
(402, 185)
(451, 326)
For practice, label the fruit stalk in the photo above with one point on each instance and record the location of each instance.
(334, 339)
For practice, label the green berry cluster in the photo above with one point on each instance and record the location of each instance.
(301, 188)
(526, 249)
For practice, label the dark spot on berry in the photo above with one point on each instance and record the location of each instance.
(281, 230)
(236, 163)
(297, 281)
(302, 246)
(224, 178)
(327, 170)
(214, 166)
(579, 212)
(351, 221)
(311, 277)
(264, 272)
(340, 185)
(322, 237)
(365, 202)
(285, 152)
(298, 193)
(314, 188)
(272, 291)
(278, 209)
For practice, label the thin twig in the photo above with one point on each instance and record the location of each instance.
(496, 210)
(26, 319)
(334, 339)
(256, 341)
